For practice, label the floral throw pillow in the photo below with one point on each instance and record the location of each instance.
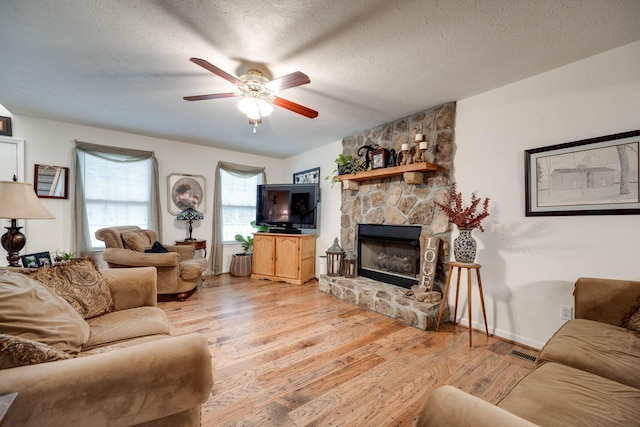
(633, 322)
(80, 283)
(16, 351)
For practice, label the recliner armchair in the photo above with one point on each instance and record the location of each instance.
(179, 273)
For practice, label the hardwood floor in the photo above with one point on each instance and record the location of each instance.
(289, 355)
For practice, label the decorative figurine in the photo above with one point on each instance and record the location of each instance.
(367, 154)
(393, 158)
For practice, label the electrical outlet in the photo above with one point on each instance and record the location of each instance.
(566, 312)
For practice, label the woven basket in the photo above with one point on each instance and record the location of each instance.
(240, 265)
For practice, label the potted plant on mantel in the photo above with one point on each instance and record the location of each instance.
(466, 218)
(241, 263)
(345, 164)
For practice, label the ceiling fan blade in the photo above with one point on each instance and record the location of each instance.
(296, 108)
(217, 71)
(290, 80)
(212, 96)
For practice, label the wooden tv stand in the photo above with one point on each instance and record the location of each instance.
(286, 258)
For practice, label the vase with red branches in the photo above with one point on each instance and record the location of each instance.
(466, 218)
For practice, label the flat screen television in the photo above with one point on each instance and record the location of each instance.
(287, 207)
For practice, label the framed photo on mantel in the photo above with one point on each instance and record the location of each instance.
(379, 158)
(597, 176)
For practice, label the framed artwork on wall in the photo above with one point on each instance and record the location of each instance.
(310, 176)
(596, 176)
(51, 182)
(5, 126)
(185, 191)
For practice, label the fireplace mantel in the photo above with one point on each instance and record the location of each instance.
(387, 172)
(412, 174)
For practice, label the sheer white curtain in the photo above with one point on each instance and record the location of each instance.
(241, 171)
(113, 186)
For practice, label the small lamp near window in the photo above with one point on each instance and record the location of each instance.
(349, 269)
(18, 201)
(334, 259)
(190, 215)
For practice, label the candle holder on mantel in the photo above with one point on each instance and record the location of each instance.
(423, 147)
(404, 154)
(334, 259)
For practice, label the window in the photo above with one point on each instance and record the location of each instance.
(117, 187)
(238, 204)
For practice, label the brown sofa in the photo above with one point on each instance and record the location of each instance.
(129, 371)
(179, 273)
(587, 374)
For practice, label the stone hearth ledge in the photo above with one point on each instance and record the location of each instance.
(388, 300)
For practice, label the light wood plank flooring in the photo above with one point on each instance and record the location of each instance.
(289, 355)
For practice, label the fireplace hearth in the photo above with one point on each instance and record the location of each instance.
(389, 253)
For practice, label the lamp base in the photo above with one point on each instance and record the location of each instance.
(13, 241)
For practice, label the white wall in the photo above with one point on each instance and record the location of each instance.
(51, 142)
(529, 265)
(329, 219)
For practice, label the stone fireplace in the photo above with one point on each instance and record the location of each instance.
(391, 201)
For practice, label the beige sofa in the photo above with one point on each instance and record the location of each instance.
(587, 374)
(179, 273)
(129, 371)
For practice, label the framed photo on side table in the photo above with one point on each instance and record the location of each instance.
(39, 260)
(596, 176)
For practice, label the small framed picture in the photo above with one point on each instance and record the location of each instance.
(310, 176)
(5, 126)
(51, 182)
(379, 158)
(39, 260)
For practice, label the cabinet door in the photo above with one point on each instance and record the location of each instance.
(263, 255)
(287, 257)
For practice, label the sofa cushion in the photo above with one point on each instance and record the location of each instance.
(136, 240)
(80, 283)
(192, 268)
(602, 349)
(119, 345)
(127, 324)
(31, 310)
(559, 395)
(17, 351)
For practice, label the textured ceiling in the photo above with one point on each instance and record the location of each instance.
(124, 64)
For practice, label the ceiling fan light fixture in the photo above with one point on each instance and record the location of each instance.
(255, 108)
(257, 92)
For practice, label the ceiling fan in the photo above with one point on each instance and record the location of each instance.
(257, 92)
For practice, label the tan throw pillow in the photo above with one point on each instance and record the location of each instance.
(30, 310)
(16, 351)
(80, 283)
(136, 240)
(633, 322)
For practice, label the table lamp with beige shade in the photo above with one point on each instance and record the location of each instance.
(18, 200)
